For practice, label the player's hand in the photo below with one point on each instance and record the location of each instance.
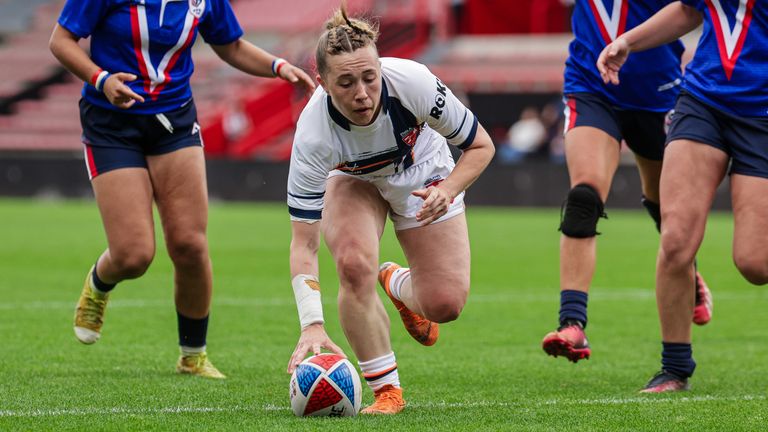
(119, 94)
(436, 203)
(313, 338)
(297, 77)
(611, 59)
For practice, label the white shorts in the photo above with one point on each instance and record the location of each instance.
(396, 189)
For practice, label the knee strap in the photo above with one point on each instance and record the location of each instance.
(581, 211)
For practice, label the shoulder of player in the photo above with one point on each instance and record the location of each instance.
(413, 84)
(406, 76)
(313, 131)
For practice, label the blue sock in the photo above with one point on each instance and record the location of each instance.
(100, 284)
(678, 359)
(192, 332)
(573, 306)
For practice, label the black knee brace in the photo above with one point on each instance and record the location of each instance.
(581, 211)
(654, 210)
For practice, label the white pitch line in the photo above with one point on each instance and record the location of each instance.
(599, 294)
(651, 399)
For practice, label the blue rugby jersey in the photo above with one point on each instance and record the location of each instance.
(649, 80)
(151, 39)
(730, 68)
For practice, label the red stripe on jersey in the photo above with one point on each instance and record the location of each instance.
(600, 24)
(174, 59)
(136, 34)
(623, 18)
(729, 62)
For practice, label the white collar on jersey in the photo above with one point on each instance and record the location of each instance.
(162, 9)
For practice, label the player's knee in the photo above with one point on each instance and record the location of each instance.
(188, 250)
(676, 250)
(443, 311)
(753, 267)
(355, 269)
(444, 307)
(132, 264)
(583, 208)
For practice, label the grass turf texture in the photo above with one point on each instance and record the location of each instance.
(487, 372)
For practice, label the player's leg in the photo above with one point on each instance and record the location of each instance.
(353, 221)
(692, 171)
(592, 155)
(177, 169)
(182, 202)
(750, 219)
(123, 191)
(645, 134)
(434, 289)
(124, 198)
(437, 283)
(695, 162)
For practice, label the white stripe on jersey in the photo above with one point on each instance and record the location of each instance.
(730, 37)
(611, 23)
(157, 76)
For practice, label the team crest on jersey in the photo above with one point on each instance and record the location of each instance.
(197, 7)
(411, 135)
(613, 25)
(730, 42)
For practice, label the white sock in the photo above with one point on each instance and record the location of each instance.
(188, 351)
(380, 372)
(399, 276)
(97, 292)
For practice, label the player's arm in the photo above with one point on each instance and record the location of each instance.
(666, 26)
(253, 60)
(472, 163)
(449, 117)
(305, 242)
(63, 44)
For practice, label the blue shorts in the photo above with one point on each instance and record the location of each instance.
(115, 139)
(745, 140)
(643, 131)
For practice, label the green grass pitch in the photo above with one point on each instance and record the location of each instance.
(487, 372)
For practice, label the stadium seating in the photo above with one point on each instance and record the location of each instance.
(253, 118)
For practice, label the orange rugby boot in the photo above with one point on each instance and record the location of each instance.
(387, 400)
(423, 330)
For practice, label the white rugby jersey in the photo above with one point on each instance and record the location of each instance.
(418, 115)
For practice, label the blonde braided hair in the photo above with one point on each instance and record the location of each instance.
(343, 35)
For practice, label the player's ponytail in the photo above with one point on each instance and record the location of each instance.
(343, 35)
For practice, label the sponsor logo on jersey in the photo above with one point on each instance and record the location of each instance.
(433, 181)
(730, 42)
(442, 93)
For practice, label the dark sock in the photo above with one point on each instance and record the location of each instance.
(192, 332)
(677, 358)
(654, 210)
(573, 306)
(100, 284)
